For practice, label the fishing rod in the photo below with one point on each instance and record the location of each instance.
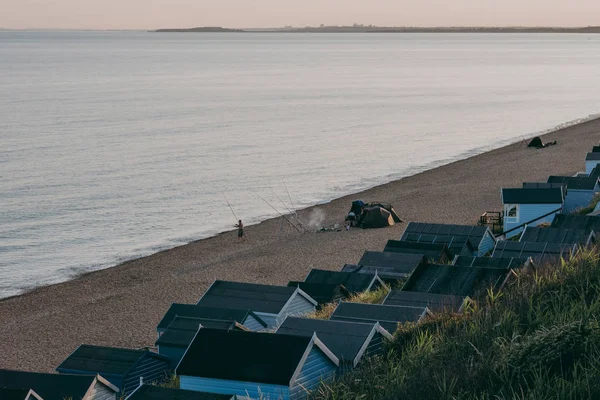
(292, 203)
(277, 211)
(290, 211)
(231, 208)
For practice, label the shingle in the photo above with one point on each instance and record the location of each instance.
(387, 316)
(355, 283)
(453, 280)
(151, 392)
(435, 302)
(438, 252)
(214, 313)
(322, 293)
(555, 235)
(258, 298)
(48, 386)
(100, 359)
(532, 196)
(344, 339)
(390, 265)
(574, 183)
(488, 262)
(244, 356)
(572, 221)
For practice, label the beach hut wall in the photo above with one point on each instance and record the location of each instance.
(530, 206)
(152, 392)
(354, 283)
(322, 293)
(121, 367)
(540, 253)
(255, 364)
(60, 386)
(271, 303)
(586, 222)
(389, 266)
(591, 161)
(18, 394)
(348, 341)
(461, 239)
(581, 237)
(388, 316)
(580, 191)
(457, 281)
(434, 302)
(242, 316)
(434, 252)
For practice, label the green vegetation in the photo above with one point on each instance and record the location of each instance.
(171, 382)
(371, 297)
(538, 339)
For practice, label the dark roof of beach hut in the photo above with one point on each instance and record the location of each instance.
(573, 221)
(182, 330)
(433, 301)
(539, 252)
(543, 185)
(151, 392)
(532, 196)
(211, 313)
(388, 316)
(355, 283)
(259, 298)
(18, 394)
(50, 386)
(593, 156)
(453, 280)
(596, 149)
(557, 235)
(438, 252)
(247, 356)
(574, 182)
(389, 266)
(345, 339)
(488, 262)
(323, 293)
(463, 239)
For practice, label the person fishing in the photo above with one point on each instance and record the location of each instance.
(240, 226)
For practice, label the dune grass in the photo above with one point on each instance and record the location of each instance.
(590, 207)
(538, 339)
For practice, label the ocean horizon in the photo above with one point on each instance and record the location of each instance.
(118, 144)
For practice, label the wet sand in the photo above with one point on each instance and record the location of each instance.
(121, 306)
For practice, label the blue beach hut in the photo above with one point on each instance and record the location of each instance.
(530, 207)
(580, 190)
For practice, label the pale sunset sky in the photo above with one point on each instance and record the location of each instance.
(154, 14)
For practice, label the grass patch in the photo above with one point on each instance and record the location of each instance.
(371, 297)
(590, 207)
(538, 339)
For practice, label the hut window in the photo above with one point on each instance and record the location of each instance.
(511, 211)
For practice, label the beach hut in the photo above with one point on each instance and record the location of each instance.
(322, 293)
(388, 316)
(348, 341)
(181, 331)
(489, 262)
(121, 367)
(586, 222)
(530, 207)
(580, 191)
(271, 303)
(457, 281)
(151, 392)
(461, 239)
(581, 237)
(434, 252)
(540, 253)
(257, 365)
(591, 160)
(59, 386)
(354, 283)
(18, 394)
(243, 316)
(434, 302)
(389, 266)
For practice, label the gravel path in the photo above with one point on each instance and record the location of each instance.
(121, 306)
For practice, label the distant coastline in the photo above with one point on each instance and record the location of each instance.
(382, 29)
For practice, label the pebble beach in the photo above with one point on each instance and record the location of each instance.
(122, 305)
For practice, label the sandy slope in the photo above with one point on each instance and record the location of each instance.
(121, 306)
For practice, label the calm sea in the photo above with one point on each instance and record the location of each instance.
(117, 144)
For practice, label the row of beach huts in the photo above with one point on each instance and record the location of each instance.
(244, 340)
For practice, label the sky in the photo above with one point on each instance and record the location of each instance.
(155, 14)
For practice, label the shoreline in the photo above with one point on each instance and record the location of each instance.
(121, 306)
(104, 265)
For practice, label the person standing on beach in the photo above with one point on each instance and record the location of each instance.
(240, 226)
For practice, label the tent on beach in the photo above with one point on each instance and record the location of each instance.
(375, 217)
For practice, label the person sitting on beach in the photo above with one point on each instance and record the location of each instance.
(240, 226)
